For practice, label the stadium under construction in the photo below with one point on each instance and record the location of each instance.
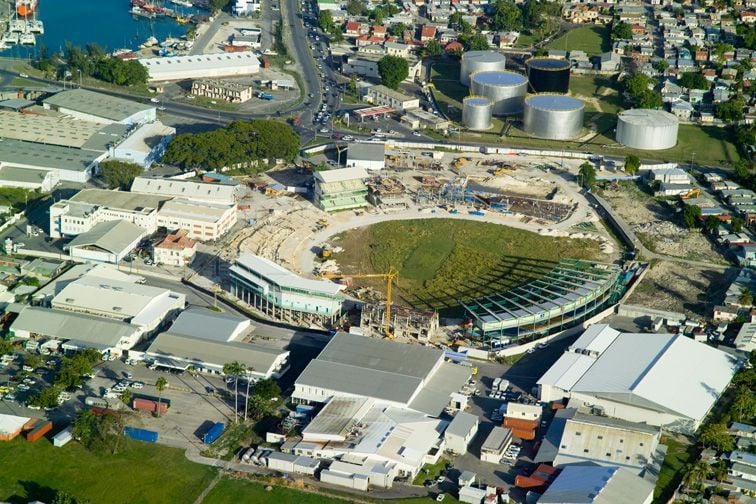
(571, 292)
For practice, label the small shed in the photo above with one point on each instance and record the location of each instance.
(460, 432)
(467, 478)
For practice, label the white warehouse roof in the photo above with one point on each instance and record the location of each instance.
(660, 372)
(201, 65)
(283, 277)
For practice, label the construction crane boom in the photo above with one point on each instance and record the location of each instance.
(390, 278)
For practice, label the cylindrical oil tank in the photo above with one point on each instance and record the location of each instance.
(548, 75)
(647, 129)
(553, 117)
(506, 90)
(478, 61)
(476, 113)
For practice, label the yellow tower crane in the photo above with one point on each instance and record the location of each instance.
(390, 277)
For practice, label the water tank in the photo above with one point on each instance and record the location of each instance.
(506, 90)
(548, 75)
(476, 113)
(647, 129)
(478, 61)
(554, 117)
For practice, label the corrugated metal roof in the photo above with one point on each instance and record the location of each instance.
(566, 371)
(461, 424)
(115, 237)
(199, 322)
(96, 104)
(281, 276)
(434, 396)
(597, 485)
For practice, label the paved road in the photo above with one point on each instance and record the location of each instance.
(201, 42)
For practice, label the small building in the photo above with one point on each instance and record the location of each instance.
(225, 192)
(419, 118)
(341, 189)
(28, 178)
(745, 341)
(467, 478)
(460, 432)
(369, 156)
(523, 419)
(176, 249)
(11, 426)
(282, 462)
(387, 97)
(472, 495)
(495, 445)
(202, 220)
(232, 92)
(145, 145)
(107, 242)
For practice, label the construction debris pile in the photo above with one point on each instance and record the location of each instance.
(388, 192)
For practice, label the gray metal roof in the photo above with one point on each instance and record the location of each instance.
(131, 201)
(578, 484)
(366, 151)
(434, 396)
(47, 156)
(27, 175)
(461, 424)
(112, 236)
(497, 439)
(368, 367)
(258, 358)
(199, 322)
(96, 104)
(65, 325)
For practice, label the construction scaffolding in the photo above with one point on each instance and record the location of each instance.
(570, 293)
(388, 193)
(406, 323)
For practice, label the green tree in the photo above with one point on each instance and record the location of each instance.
(475, 42)
(711, 224)
(743, 408)
(84, 427)
(356, 8)
(661, 65)
(731, 110)
(505, 16)
(6, 347)
(695, 474)
(745, 298)
(398, 30)
(258, 408)
(235, 369)
(737, 224)
(649, 100)
(353, 84)
(160, 384)
(694, 80)
(622, 31)
(126, 397)
(587, 175)
(715, 436)
(325, 20)
(632, 164)
(393, 70)
(531, 15)
(32, 360)
(433, 48)
(691, 216)
(267, 389)
(45, 398)
(63, 497)
(119, 174)
(720, 470)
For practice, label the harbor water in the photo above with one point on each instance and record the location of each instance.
(107, 23)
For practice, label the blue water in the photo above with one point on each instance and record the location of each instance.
(106, 22)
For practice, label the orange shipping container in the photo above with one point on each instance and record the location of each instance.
(147, 405)
(39, 430)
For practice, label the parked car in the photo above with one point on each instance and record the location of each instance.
(137, 385)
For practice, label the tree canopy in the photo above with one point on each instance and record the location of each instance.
(622, 31)
(731, 110)
(640, 88)
(119, 174)
(691, 216)
(241, 142)
(393, 70)
(632, 164)
(694, 80)
(94, 62)
(587, 175)
(474, 42)
(505, 16)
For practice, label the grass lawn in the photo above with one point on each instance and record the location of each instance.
(141, 473)
(430, 471)
(232, 491)
(445, 78)
(678, 454)
(17, 198)
(441, 261)
(591, 39)
(525, 40)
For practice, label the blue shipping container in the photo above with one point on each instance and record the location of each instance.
(145, 435)
(214, 433)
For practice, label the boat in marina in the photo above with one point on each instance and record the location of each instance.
(26, 7)
(27, 39)
(9, 39)
(182, 3)
(138, 11)
(149, 43)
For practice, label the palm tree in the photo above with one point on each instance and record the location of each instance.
(160, 385)
(235, 369)
(246, 398)
(694, 474)
(745, 298)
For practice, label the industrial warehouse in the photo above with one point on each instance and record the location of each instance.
(571, 292)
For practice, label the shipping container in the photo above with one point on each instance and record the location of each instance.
(96, 401)
(137, 434)
(214, 433)
(148, 405)
(40, 428)
(63, 437)
(305, 408)
(163, 400)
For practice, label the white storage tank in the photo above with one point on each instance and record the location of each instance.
(506, 90)
(476, 113)
(647, 129)
(478, 61)
(553, 117)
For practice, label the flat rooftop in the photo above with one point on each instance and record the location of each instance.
(147, 137)
(28, 154)
(132, 202)
(61, 131)
(96, 104)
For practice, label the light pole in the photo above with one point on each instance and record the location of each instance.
(692, 157)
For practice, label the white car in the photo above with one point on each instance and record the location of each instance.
(137, 385)
(154, 100)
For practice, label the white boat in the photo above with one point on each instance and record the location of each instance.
(28, 39)
(183, 3)
(10, 38)
(35, 26)
(149, 43)
(18, 25)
